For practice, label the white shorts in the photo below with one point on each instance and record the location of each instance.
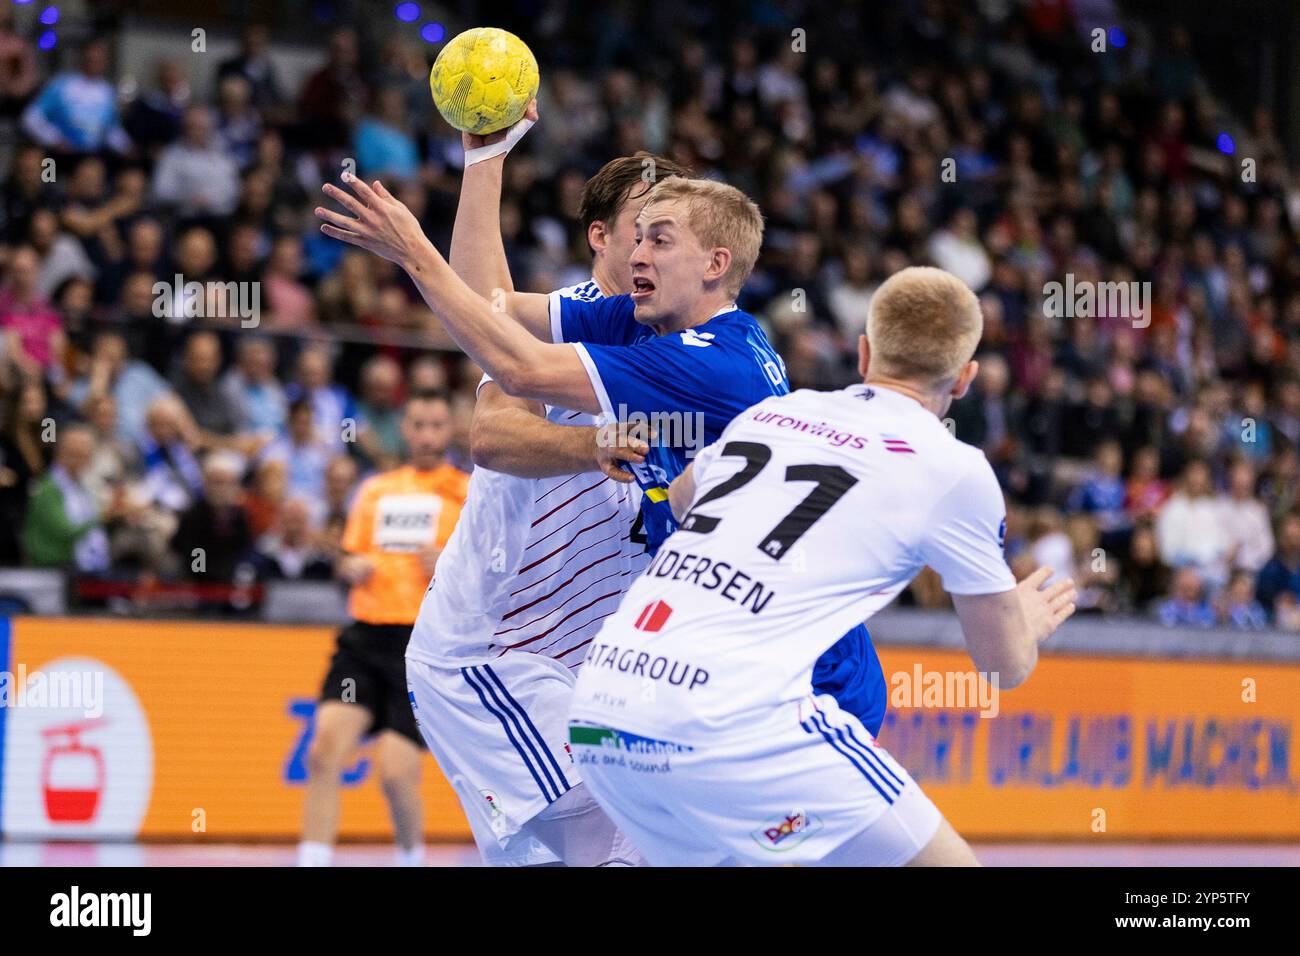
(798, 786)
(499, 730)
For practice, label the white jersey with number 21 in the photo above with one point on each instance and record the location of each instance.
(812, 512)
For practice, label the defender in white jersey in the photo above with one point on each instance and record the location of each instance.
(542, 554)
(694, 721)
(532, 569)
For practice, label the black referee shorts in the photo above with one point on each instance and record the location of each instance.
(369, 669)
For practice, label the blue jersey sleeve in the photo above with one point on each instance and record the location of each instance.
(684, 373)
(602, 320)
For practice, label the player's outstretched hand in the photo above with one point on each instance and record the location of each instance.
(1046, 608)
(622, 441)
(474, 141)
(382, 224)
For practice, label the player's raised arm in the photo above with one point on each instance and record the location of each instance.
(520, 364)
(477, 252)
(510, 434)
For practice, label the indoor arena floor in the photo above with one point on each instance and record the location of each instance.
(358, 854)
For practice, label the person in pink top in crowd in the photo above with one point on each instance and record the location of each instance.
(33, 330)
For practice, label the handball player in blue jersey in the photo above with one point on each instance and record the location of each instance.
(674, 349)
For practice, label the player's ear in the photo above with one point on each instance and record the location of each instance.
(596, 236)
(719, 263)
(964, 378)
(864, 355)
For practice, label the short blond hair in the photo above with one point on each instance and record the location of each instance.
(718, 215)
(923, 326)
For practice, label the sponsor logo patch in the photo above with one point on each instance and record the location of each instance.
(786, 831)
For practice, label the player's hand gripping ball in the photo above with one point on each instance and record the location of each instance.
(483, 80)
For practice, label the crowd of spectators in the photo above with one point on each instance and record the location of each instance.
(1150, 450)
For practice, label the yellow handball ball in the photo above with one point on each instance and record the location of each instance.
(483, 80)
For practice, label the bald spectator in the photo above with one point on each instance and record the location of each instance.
(212, 539)
(197, 176)
(196, 384)
(291, 551)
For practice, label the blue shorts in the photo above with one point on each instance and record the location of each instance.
(851, 673)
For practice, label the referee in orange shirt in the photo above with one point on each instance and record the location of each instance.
(398, 524)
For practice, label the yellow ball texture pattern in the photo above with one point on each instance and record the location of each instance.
(483, 80)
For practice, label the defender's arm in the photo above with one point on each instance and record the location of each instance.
(511, 436)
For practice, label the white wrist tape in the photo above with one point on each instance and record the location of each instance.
(480, 153)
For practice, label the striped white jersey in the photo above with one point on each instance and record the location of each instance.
(535, 564)
(812, 512)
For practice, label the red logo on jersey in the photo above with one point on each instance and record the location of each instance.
(653, 616)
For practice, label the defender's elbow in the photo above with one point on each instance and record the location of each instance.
(511, 378)
(484, 447)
